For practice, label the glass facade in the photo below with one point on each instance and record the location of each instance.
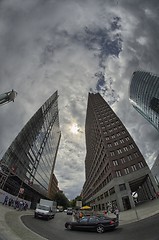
(144, 96)
(155, 170)
(32, 155)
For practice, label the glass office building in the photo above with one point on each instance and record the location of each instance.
(155, 170)
(144, 95)
(30, 160)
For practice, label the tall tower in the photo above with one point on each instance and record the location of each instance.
(114, 166)
(144, 96)
(30, 160)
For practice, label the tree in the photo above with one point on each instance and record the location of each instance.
(73, 202)
(62, 200)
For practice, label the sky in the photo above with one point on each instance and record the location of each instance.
(76, 47)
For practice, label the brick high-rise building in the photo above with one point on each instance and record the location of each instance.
(114, 165)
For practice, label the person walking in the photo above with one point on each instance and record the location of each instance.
(5, 200)
(116, 212)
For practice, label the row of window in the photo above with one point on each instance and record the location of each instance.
(107, 138)
(123, 160)
(111, 191)
(119, 151)
(127, 170)
(131, 146)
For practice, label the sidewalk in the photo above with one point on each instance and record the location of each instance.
(12, 228)
(140, 212)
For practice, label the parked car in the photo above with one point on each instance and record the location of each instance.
(69, 211)
(93, 223)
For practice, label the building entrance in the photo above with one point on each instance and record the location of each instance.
(126, 203)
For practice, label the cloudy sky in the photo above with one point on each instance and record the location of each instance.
(76, 46)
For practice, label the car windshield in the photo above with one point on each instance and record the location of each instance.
(42, 207)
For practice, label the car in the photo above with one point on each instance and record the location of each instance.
(93, 223)
(69, 211)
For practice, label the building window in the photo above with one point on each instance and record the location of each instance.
(111, 191)
(121, 141)
(126, 170)
(115, 163)
(106, 194)
(129, 157)
(131, 146)
(118, 134)
(109, 145)
(116, 143)
(136, 155)
(133, 167)
(112, 153)
(122, 160)
(113, 136)
(141, 165)
(125, 149)
(119, 151)
(118, 173)
(127, 138)
(122, 187)
(107, 138)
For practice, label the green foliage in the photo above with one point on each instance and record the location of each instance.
(62, 200)
(73, 202)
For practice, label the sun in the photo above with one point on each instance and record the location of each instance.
(74, 128)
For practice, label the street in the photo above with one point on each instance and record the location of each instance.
(54, 229)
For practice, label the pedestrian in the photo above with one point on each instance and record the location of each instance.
(116, 212)
(25, 206)
(81, 215)
(5, 200)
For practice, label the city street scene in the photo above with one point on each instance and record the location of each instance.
(79, 102)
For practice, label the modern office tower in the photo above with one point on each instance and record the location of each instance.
(30, 160)
(114, 166)
(155, 170)
(144, 96)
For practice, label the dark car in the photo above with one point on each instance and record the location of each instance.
(93, 223)
(69, 211)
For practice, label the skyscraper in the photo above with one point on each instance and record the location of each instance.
(114, 166)
(30, 160)
(144, 96)
(155, 169)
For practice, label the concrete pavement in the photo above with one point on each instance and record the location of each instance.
(12, 228)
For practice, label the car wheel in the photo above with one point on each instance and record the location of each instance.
(69, 226)
(100, 229)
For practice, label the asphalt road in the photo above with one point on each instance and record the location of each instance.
(146, 229)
